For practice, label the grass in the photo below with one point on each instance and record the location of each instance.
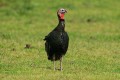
(93, 28)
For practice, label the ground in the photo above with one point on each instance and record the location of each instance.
(93, 28)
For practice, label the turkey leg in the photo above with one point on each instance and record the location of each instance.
(61, 64)
(54, 61)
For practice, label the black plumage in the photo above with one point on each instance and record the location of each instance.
(57, 40)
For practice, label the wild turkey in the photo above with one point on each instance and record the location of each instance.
(57, 41)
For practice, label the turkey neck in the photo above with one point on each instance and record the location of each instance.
(61, 25)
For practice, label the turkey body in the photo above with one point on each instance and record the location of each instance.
(57, 42)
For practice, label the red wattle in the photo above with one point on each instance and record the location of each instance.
(61, 16)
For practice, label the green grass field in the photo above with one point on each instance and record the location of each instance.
(93, 27)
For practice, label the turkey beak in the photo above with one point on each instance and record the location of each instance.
(65, 11)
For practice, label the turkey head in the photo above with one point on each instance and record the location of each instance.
(61, 12)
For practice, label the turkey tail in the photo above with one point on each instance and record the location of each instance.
(45, 38)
